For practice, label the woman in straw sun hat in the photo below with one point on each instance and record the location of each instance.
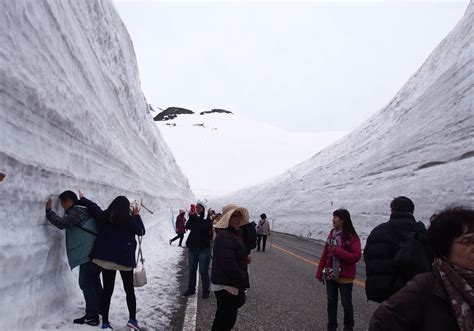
(229, 274)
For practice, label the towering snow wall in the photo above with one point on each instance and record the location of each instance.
(72, 117)
(420, 145)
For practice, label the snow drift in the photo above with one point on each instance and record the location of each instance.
(72, 117)
(420, 145)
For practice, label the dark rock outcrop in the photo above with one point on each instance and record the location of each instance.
(171, 113)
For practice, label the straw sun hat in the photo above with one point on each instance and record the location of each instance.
(227, 212)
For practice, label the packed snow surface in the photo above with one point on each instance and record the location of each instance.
(421, 144)
(73, 117)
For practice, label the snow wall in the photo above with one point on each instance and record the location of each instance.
(72, 117)
(420, 145)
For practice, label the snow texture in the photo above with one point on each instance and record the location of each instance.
(420, 145)
(73, 117)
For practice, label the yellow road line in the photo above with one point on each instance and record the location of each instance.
(356, 281)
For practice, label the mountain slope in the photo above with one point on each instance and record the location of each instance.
(221, 152)
(72, 117)
(419, 145)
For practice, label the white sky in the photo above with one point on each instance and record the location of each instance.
(305, 66)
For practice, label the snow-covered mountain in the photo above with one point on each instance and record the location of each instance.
(420, 145)
(222, 152)
(73, 117)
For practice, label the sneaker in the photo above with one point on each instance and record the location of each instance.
(87, 319)
(106, 325)
(205, 295)
(133, 324)
(188, 293)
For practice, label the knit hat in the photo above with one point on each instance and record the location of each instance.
(227, 212)
(202, 203)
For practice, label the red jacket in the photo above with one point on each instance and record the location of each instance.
(348, 254)
(180, 224)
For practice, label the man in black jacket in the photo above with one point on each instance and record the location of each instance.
(198, 244)
(386, 268)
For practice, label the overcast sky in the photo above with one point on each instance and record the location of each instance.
(305, 66)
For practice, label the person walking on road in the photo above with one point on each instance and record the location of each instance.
(229, 267)
(198, 243)
(263, 231)
(337, 267)
(81, 232)
(442, 299)
(114, 250)
(180, 227)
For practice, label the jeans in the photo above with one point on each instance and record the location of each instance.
(259, 239)
(346, 300)
(199, 256)
(89, 282)
(227, 308)
(109, 282)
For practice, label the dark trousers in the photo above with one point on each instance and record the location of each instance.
(201, 257)
(180, 236)
(109, 282)
(227, 308)
(259, 239)
(89, 282)
(332, 288)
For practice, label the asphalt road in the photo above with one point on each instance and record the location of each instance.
(285, 294)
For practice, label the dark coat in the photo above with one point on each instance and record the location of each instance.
(201, 231)
(229, 261)
(115, 242)
(384, 277)
(422, 304)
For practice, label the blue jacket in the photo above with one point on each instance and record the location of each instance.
(115, 242)
(79, 239)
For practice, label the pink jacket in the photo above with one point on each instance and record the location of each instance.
(348, 254)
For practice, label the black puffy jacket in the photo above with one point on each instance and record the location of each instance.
(229, 261)
(384, 275)
(201, 231)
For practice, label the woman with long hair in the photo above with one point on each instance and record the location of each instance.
(114, 249)
(337, 267)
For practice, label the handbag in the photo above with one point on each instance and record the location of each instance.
(139, 276)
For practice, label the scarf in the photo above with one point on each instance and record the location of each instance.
(459, 284)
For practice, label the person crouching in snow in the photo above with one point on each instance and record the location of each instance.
(338, 267)
(229, 274)
(180, 227)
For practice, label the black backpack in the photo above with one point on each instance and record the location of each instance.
(413, 256)
(249, 233)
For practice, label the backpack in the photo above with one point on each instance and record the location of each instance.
(413, 257)
(249, 233)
